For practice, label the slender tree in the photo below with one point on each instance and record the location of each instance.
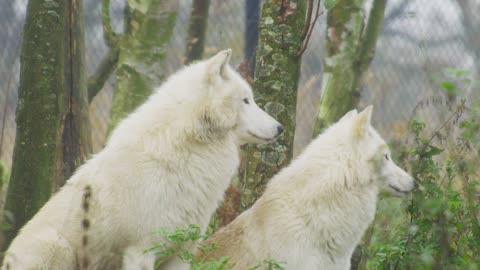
(349, 51)
(196, 30)
(148, 28)
(53, 135)
(277, 72)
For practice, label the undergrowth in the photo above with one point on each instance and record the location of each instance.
(440, 227)
(180, 242)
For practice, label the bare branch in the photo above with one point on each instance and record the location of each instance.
(109, 63)
(369, 37)
(106, 67)
(310, 30)
(308, 18)
(108, 34)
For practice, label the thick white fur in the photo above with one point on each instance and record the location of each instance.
(166, 165)
(314, 212)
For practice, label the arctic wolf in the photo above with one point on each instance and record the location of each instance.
(314, 212)
(166, 165)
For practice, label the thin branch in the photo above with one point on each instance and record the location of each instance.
(106, 67)
(108, 34)
(308, 19)
(459, 110)
(370, 36)
(109, 63)
(310, 30)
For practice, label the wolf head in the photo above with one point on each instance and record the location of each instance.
(232, 105)
(374, 154)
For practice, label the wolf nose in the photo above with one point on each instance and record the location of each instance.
(279, 129)
(416, 183)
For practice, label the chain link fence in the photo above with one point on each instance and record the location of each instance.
(420, 39)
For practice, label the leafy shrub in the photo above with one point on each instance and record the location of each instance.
(179, 243)
(440, 229)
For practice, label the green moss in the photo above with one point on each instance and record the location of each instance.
(142, 54)
(40, 97)
(275, 86)
(346, 59)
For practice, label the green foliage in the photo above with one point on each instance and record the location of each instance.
(329, 4)
(181, 240)
(441, 227)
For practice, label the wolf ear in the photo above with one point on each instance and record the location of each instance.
(349, 115)
(217, 65)
(362, 122)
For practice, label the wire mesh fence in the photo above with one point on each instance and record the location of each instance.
(420, 39)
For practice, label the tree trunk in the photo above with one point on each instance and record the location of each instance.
(149, 27)
(252, 17)
(196, 30)
(76, 136)
(349, 51)
(277, 73)
(52, 114)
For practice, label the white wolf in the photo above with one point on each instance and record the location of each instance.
(167, 165)
(314, 212)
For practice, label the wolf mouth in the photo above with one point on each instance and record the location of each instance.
(258, 137)
(399, 190)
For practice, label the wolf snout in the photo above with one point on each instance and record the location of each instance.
(416, 184)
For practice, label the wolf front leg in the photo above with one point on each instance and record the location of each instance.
(135, 258)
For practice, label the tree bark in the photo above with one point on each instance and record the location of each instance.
(276, 80)
(109, 62)
(148, 30)
(52, 112)
(196, 30)
(76, 141)
(349, 51)
(252, 18)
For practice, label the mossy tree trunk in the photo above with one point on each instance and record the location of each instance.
(349, 51)
(148, 29)
(197, 28)
(52, 113)
(276, 79)
(76, 140)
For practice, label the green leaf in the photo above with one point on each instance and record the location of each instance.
(458, 72)
(329, 4)
(449, 87)
(432, 151)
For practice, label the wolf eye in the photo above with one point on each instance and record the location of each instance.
(387, 157)
(245, 100)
